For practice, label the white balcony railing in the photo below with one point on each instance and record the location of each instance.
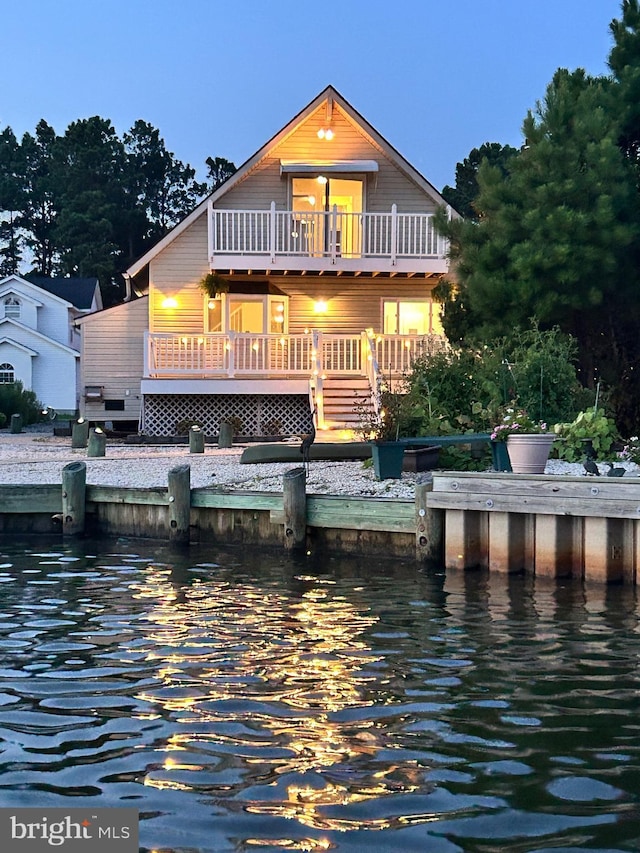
(332, 235)
(219, 355)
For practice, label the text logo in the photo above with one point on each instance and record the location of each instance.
(37, 830)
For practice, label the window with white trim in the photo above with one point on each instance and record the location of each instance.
(7, 373)
(411, 317)
(12, 308)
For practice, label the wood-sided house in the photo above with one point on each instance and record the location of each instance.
(325, 247)
(39, 335)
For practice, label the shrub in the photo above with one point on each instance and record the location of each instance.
(592, 425)
(183, 427)
(464, 389)
(14, 400)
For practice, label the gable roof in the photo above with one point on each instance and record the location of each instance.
(28, 332)
(328, 95)
(80, 292)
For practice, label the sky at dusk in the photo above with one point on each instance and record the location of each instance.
(435, 78)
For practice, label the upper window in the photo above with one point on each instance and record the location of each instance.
(7, 373)
(12, 307)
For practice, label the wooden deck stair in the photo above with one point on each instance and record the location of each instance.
(342, 394)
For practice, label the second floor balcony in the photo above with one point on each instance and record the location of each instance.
(331, 240)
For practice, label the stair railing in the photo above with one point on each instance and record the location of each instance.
(372, 369)
(316, 380)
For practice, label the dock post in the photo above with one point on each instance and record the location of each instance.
(74, 486)
(429, 526)
(225, 437)
(80, 433)
(196, 440)
(295, 508)
(179, 490)
(16, 424)
(97, 442)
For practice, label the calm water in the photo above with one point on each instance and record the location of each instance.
(246, 702)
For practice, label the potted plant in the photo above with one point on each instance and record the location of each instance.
(213, 284)
(528, 441)
(381, 425)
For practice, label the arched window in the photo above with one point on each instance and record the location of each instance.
(12, 307)
(7, 373)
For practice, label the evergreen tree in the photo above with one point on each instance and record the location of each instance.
(555, 236)
(10, 202)
(219, 171)
(463, 195)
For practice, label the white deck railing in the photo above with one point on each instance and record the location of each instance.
(272, 356)
(275, 233)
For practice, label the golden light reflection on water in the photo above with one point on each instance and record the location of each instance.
(270, 674)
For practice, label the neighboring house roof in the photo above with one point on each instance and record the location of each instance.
(123, 306)
(241, 173)
(80, 292)
(28, 332)
(17, 345)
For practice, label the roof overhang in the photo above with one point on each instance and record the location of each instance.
(303, 167)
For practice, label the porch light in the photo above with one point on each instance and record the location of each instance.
(322, 179)
(325, 133)
(320, 307)
(255, 346)
(170, 302)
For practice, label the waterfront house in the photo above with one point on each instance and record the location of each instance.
(40, 337)
(320, 256)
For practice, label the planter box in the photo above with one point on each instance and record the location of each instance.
(421, 459)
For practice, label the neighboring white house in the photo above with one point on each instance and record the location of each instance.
(39, 340)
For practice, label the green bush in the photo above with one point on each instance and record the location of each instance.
(463, 390)
(592, 425)
(14, 400)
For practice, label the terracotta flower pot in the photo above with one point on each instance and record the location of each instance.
(528, 453)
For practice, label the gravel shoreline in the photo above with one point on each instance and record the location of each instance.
(37, 456)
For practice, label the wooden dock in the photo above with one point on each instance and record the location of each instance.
(580, 527)
(584, 527)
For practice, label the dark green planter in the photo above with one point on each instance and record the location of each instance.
(387, 459)
(500, 456)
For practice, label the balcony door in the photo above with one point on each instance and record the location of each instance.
(314, 201)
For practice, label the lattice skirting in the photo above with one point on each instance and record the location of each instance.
(251, 414)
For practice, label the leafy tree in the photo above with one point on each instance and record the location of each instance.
(219, 171)
(463, 195)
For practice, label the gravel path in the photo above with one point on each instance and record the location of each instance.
(37, 456)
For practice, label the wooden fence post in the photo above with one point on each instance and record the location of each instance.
(74, 484)
(179, 503)
(225, 437)
(196, 440)
(97, 442)
(80, 433)
(429, 526)
(295, 508)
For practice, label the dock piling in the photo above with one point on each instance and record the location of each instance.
(74, 484)
(179, 495)
(294, 489)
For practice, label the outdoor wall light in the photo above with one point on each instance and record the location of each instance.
(325, 133)
(170, 302)
(320, 307)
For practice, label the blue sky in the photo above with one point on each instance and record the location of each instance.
(435, 77)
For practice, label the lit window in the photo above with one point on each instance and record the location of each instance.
(7, 373)
(12, 307)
